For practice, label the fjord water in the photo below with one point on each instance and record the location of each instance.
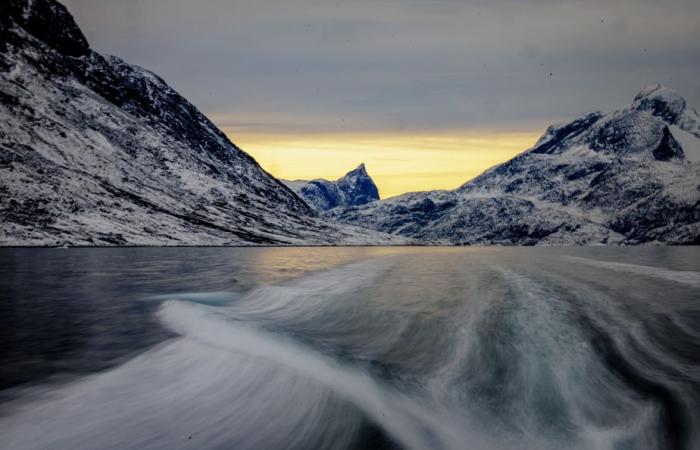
(427, 348)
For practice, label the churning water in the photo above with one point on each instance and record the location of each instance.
(426, 348)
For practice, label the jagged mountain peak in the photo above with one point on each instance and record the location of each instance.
(358, 173)
(49, 22)
(358, 187)
(352, 189)
(361, 169)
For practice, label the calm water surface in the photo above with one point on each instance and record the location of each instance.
(305, 348)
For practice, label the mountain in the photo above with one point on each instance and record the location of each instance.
(619, 178)
(94, 151)
(354, 189)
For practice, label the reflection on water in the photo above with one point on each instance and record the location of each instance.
(451, 348)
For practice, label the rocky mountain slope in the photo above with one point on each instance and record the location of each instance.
(354, 189)
(619, 178)
(95, 151)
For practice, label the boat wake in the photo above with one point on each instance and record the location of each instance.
(539, 363)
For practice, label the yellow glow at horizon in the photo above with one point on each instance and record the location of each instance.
(397, 163)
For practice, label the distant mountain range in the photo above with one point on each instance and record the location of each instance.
(94, 151)
(617, 178)
(354, 189)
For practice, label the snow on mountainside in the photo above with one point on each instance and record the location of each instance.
(94, 151)
(354, 189)
(617, 178)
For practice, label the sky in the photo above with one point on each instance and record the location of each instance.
(428, 93)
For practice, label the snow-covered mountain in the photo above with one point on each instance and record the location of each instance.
(627, 177)
(96, 151)
(354, 189)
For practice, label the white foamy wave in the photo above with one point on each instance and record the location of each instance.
(183, 395)
(678, 276)
(223, 384)
(403, 417)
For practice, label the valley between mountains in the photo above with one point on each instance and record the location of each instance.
(95, 151)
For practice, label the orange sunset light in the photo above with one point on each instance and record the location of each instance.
(397, 163)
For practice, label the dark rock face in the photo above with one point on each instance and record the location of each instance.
(353, 189)
(48, 21)
(357, 187)
(617, 178)
(668, 148)
(555, 136)
(94, 151)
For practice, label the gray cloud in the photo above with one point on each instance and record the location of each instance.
(402, 64)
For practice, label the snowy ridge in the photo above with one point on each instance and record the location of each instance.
(353, 189)
(670, 106)
(616, 178)
(94, 151)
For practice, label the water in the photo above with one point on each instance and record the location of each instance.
(426, 348)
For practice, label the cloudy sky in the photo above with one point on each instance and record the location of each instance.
(427, 92)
